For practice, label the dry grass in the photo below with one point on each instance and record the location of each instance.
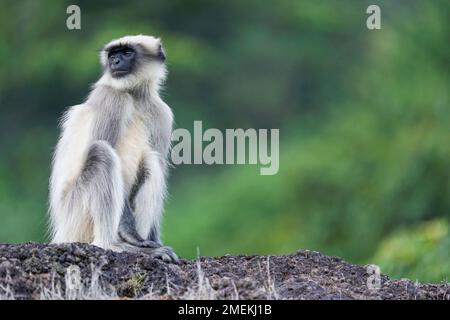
(5, 290)
(269, 286)
(77, 288)
(203, 289)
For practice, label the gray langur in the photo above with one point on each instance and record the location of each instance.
(108, 178)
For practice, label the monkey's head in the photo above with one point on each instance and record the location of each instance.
(131, 61)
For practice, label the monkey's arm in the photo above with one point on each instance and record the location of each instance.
(127, 230)
(132, 240)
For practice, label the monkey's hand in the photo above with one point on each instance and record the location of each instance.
(128, 233)
(131, 241)
(134, 239)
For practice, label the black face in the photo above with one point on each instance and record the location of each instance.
(121, 60)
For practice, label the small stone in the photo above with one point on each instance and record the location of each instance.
(5, 266)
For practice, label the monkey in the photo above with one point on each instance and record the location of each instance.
(109, 168)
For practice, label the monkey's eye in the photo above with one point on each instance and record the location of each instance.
(128, 53)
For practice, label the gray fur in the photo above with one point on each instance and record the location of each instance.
(127, 230)
(98, 181)
(154, 235)
(122, 219)
(109, 105)
(142, 175)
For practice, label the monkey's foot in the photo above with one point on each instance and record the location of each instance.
(161, 252)
(164, 253)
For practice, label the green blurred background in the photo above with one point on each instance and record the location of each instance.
(363, 115)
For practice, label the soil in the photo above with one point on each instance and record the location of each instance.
(27, 270)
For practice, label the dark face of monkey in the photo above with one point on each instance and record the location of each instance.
(122, 60)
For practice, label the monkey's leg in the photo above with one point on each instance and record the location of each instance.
(127, 230)
(101, 183)
(148, 203)
(133, 242)
(102, 187)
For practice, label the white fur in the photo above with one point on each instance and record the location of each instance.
(145, 136)
(153, 73)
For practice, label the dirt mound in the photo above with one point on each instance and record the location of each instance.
(81, 271)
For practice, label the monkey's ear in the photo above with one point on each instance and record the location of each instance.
(102, 49)
(103, 56)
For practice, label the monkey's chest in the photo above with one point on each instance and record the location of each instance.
(132, 148)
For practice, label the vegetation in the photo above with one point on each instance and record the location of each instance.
(363, 115)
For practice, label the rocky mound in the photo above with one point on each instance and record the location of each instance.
(81, 271)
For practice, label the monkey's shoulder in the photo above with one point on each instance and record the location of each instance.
(76, 114)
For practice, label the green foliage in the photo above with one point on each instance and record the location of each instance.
(363, 118)
(422, 252)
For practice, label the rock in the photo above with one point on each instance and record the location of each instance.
(32, 271)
